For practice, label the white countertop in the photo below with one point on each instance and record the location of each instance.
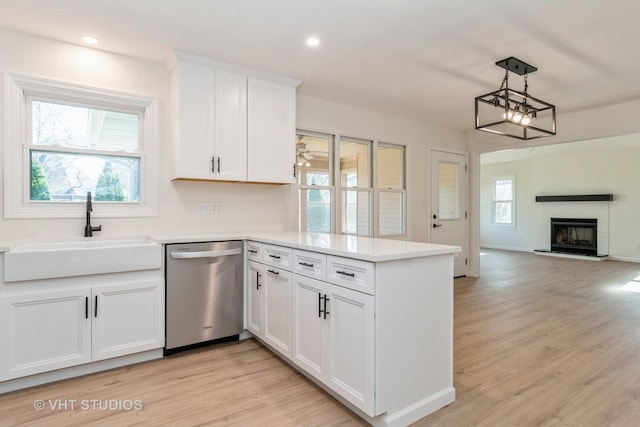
(363, 248)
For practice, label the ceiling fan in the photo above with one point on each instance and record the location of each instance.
(303, 155)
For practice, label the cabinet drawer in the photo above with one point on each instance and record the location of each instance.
(254, 251)
(277, 256)
(352, 274)
(310, 264)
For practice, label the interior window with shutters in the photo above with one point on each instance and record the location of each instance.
(390, 189)
(355, 182)
(314, 174)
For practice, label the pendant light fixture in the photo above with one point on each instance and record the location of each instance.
(513, 113)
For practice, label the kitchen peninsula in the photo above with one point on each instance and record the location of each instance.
(368, 320)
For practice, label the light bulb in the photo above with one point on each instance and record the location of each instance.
(517, 117)
(307, 164)
(526, 120)
(300, 163)
(507, 115)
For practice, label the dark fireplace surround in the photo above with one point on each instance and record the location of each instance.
(574, 236)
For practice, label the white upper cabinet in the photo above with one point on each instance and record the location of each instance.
(230, 125)
(210, 122)
(272, 125)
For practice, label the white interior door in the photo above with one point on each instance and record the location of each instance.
(449, 205)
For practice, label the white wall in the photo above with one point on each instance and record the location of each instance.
(419, 137)
(246, 206)
(615, 171)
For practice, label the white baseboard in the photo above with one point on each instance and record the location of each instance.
(506, 248)
(625, 259)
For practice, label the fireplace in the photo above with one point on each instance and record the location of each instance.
(574, 236)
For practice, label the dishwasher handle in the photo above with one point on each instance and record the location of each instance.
(205, 254)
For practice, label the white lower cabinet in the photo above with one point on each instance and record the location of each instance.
(255, 298)
(269, 306)
(334, 338)
(44, 331)
(51, 330)
(278, 328)
(126, 319)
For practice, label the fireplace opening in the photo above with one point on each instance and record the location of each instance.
(574, 236)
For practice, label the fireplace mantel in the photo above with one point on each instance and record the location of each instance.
(576, 198)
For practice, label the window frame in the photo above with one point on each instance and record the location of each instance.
(331, 187)
(495, 201)
(19, 90)
(357, 189)
(402, 191)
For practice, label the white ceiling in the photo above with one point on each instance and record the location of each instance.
(421, 59)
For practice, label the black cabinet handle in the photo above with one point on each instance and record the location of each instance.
(253, 251)
(319, 304)
(294, 170)
(95, 312)
(218, 164)
(273, 272)
(325, 306)
(274, 256)
(305, 264)
(344, 273)
(258, 280)
(86, 307)
(213, 165)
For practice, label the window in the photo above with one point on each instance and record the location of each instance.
(315, 181)
(78, 140)
(342, 197)
(390, 191)
(355, 181)
(504, 189)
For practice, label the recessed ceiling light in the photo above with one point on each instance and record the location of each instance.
(89, 40)
(313, 41)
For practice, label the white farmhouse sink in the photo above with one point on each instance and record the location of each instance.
(44, 260)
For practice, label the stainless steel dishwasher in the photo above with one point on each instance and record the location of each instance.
(204, 293)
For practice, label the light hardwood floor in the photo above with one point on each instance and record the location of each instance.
(538, 342)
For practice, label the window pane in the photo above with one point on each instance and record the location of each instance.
(356, 212)
(85, 128)
(390, 167)
(448, 194)
(503, 213)
(315, 210)
(504, 189)
(68, 177)
(354, 163)
(313, 159)
(391, 213)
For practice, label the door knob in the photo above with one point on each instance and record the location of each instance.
(437, 225)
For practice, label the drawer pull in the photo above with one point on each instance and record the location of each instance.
(344, 273)
(306, 264)
(273, 272)
(274, 256)
(253, 251)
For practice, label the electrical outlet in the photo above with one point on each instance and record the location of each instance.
(204, 208)
(215, 208)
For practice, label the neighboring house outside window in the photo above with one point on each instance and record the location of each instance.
(504, 196)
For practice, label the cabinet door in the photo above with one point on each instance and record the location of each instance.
(351, 346)
(127, 318)
(278, 289)
(193, 120)
(230, 126)
(255, 300)
(271, 132)
(45, 331)
(309, 332)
